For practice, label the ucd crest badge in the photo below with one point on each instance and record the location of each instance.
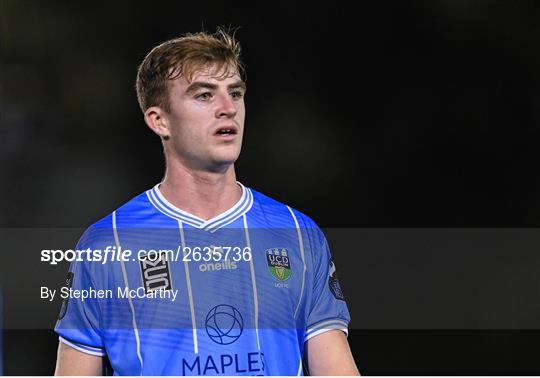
(278, 263)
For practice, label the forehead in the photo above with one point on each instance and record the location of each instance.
(210, 74)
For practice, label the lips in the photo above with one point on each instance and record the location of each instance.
(226, 130)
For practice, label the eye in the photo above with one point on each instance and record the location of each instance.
(204, 96)
(237, 94)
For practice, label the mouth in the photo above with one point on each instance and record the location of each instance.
(226, 132)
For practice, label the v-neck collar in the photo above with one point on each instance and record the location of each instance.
(240, 208)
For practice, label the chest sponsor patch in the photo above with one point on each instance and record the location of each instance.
(156, 273)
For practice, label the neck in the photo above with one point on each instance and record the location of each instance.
(201, 193)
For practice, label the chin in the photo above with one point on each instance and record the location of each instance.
(224, 160)
(226, 157)
(228, 161)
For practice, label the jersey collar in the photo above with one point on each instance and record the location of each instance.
(240, 208)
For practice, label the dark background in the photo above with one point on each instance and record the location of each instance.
(390, 114)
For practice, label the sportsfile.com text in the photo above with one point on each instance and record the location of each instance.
(113, 253)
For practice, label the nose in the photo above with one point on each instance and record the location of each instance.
(226, 106)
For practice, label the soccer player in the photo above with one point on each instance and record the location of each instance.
(201, 275)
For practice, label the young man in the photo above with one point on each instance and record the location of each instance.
(225, 280)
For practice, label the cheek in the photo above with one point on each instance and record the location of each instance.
(188, 128)
(241, 113)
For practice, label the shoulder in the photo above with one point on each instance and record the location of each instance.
(101, 232)
(275, 211)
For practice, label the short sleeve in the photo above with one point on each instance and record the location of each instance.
(78, 323)
(328, 309)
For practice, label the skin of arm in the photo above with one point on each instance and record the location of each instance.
(72, 362)
(329, 354)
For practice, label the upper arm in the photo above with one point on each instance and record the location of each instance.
(70, 361)
(329, 354)
(79, 323)
(326, 308)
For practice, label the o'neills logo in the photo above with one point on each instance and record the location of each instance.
(278, 263)
(224, 265)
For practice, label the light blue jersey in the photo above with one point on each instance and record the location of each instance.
(238, 294)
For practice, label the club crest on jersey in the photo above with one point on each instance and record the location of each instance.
(278, 263)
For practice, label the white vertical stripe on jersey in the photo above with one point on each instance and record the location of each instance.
(134, 320)
(188, 282)
(301, 243)
(253, 284)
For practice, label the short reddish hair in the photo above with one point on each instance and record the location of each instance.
(183, 56)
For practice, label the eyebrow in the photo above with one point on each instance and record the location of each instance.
(201, 84)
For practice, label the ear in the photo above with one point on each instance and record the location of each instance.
(156, 120)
